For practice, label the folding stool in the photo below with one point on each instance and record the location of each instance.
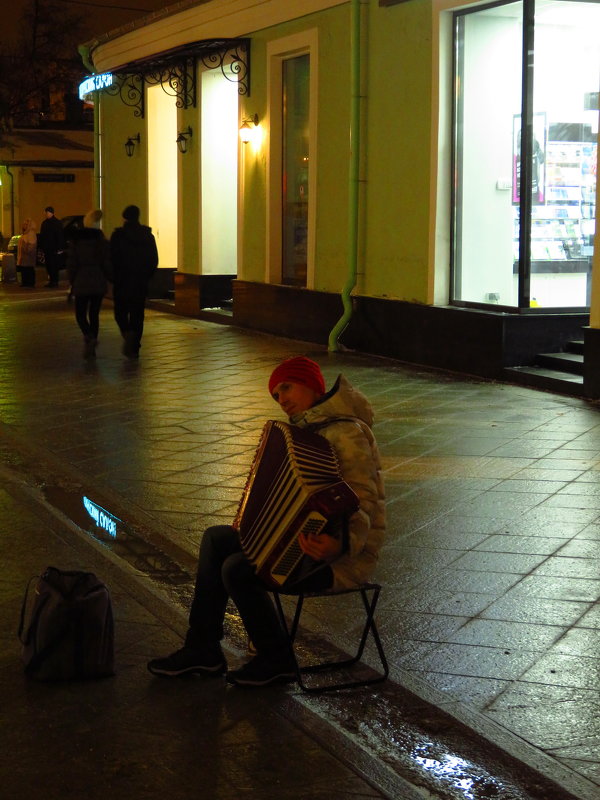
(369, 603)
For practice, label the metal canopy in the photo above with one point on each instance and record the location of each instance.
(175, 71)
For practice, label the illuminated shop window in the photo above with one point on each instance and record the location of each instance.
(525, 142)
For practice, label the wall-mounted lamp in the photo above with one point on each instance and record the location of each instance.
(247, 129)
(130, 144)
(182, 138)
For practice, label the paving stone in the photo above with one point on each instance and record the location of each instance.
(490, 568)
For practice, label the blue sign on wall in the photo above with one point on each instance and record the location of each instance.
(95, 83)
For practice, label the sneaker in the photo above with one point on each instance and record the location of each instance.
(259, 671)
(131, 346)
(208, 660)
(89, 348)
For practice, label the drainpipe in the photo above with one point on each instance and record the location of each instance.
(85, 53)
(353, 203)
(12, 200)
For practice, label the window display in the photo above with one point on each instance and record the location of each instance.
(511, 249)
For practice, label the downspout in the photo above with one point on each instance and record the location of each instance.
(12, 200)
(353, 201)
(85, 53)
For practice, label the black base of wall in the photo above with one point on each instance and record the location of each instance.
(196, 292)
(591, 362)
(462, 340)
(160, 285)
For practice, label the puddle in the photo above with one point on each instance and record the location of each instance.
(116, 535)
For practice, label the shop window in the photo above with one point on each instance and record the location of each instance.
(525, 142)
(292, 79)
(295, 161)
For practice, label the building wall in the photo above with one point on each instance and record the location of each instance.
(396, 131)
(396, 115)
(398, 122)
(123, 180)
(67, 198)
(405, 178)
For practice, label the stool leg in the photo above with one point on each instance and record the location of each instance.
(370, 627)
(290, 632)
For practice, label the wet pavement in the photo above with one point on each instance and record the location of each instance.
(491, 569)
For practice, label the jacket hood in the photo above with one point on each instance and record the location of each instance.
(29, 231)
(135, 232)
(342, 400)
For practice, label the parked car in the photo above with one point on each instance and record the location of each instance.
(70, 224)
(12, 245)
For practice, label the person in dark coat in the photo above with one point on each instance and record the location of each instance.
(134, 259)
(88, 265)
(52, 242)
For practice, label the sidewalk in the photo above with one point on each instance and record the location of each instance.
(132, 736)
(491, 570)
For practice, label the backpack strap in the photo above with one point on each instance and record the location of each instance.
(23, 610)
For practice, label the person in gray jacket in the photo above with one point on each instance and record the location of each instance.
(344, 417)
(88, 265)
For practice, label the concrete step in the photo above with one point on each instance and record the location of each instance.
(552, 380)
(563, 362)
(575, 346)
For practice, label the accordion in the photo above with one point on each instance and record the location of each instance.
(294, 486)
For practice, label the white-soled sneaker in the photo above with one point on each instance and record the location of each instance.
(208, 660)
(260, 671)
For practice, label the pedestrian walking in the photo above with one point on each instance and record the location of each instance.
(88, 265)
(344, 555)
(27, 252)
(52, 242)
(134, 259)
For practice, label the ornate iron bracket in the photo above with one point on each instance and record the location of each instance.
(176, 72)
(233, 61)
(130, 88)
(177, 80)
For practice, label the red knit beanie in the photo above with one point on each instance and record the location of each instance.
(298, 370)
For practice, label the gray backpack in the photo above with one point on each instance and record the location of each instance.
(67, 629)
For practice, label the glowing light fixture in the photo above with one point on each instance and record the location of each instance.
(130, 144)
(182, 138)
(248, 129)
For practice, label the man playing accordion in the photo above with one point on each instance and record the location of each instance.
(344, 417)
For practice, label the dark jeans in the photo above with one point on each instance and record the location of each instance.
(53, 263)
(27, 275)
(129, 316)
(87, 313)
(225, 572)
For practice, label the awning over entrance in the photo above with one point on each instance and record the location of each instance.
(175, 71)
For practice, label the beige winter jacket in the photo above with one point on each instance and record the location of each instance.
(344, 417)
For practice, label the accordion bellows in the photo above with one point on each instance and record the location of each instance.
(294, 486)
